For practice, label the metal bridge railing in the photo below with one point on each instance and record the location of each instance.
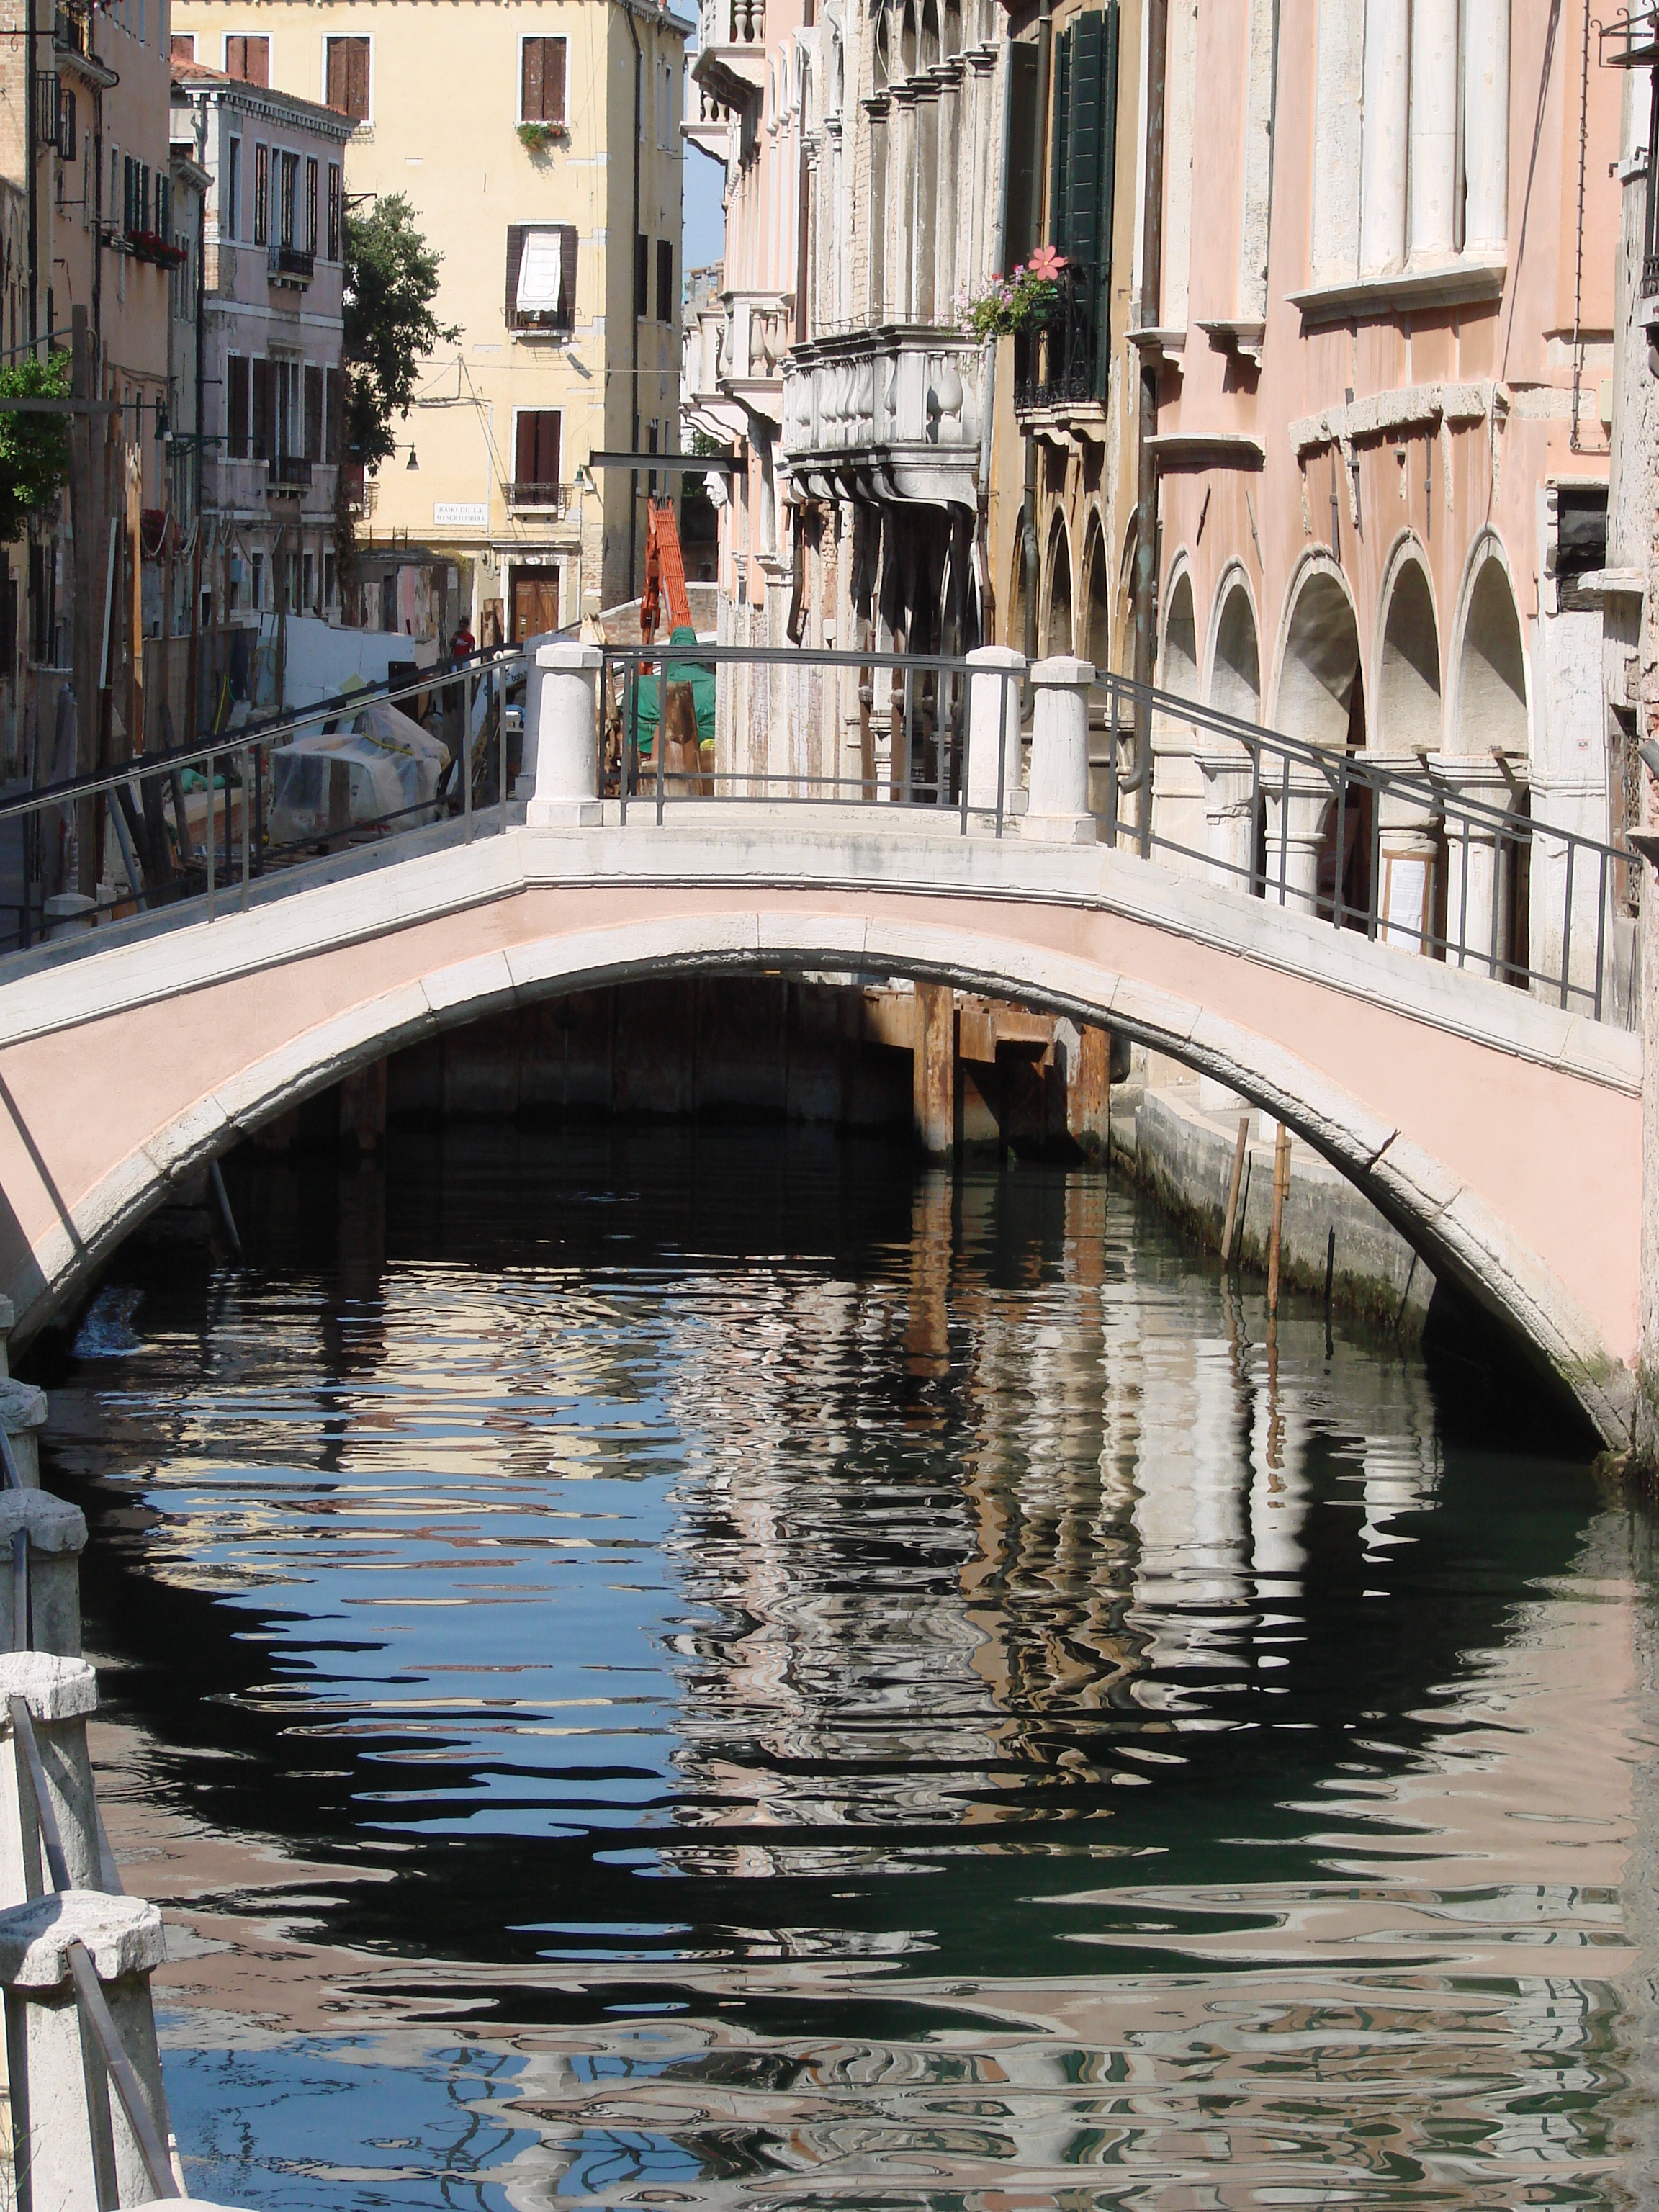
(1523, 902)
(1317, 826)
(131, 800)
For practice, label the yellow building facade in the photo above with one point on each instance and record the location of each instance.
(538, 145)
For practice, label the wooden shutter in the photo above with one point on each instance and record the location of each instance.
(1057, 228)
(533, 89)
(313, 413)
(359, 80)
(1088, 124)
(311, 203)
(236, 407)
(236, 58)
(665, 279)
(181, 45)
(553, 85)
(261, 411)
(524, 468)
(568, 246)
(515, 232)
(1020, 218)
(547, 447)
(249, 59)
(641, 276)
(336, 74)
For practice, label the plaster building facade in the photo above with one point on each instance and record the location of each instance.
(540, 151)
(268, 354)
(83, 137)
(862, 162)
(1384, 335)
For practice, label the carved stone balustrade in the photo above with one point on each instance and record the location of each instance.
(888, 414)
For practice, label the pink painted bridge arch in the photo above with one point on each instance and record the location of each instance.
(1501, 1135)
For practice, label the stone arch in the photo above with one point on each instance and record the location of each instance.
(1409, 713)
(1177, 651)
(1261, 1026)
(1234, 684)
(1094, 625)
(1014, 629)
(1320, 685)
(1057, 630)
(1490, 705)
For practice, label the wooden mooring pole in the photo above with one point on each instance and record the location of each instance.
(1281, 1180)
(1233, 1190)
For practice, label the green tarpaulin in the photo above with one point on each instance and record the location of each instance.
(698, 673)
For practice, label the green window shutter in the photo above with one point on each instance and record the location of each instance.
(1020, 156)
(1107, 202)
(1060, 143)
(1080, 238)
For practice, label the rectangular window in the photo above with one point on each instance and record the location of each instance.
(236, 407)
(230, 208)
(163, 223)
(261, 194)
(181, 46)
(309, 586)
(665, 279)
(348, 87)
(313, 413)
(541, 276)
(248, 58)
(311, 204)
(288, 196)
(536, 469)
(333, 210)
(662, 107)
(541, 80)
(641, 276)
(332, 425)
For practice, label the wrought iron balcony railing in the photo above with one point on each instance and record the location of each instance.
(1065, 362)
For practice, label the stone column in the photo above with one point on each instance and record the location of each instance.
(70, 2130)
(566, 714)
(1487, 121)
(1057, 812)
(59, 1694)
(1296, 814)
(1229, 816)
(1433, 128)
(23, 1411)
(994, 715)
(1477, 918)
(57, 1535)
(1383, 143)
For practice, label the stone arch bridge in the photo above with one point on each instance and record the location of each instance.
(1502, 1136)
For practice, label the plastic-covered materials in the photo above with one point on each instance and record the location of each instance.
(330, 782)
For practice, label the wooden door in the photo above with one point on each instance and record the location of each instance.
(535, 603)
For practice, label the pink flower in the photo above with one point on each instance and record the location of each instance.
(1046, 264)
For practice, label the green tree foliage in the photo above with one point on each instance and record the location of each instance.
(35, 449)
(391, 282)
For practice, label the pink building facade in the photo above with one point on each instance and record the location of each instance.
(1384, 337)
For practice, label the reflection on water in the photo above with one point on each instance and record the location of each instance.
(713, 1671)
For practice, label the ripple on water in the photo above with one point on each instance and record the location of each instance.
(714, 1670)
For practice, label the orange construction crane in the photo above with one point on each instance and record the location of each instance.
(664, 572)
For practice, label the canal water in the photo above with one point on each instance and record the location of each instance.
(715, 1669)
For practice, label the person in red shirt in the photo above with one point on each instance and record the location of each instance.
(463, 645)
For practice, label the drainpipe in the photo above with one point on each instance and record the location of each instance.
(1151, 291)
(1030, 560)
(633, 303)
(31, 157)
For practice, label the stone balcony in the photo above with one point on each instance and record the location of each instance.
(886, 414)
(731, 63)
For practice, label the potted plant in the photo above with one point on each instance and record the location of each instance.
(1026, 299)
(536, 137)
